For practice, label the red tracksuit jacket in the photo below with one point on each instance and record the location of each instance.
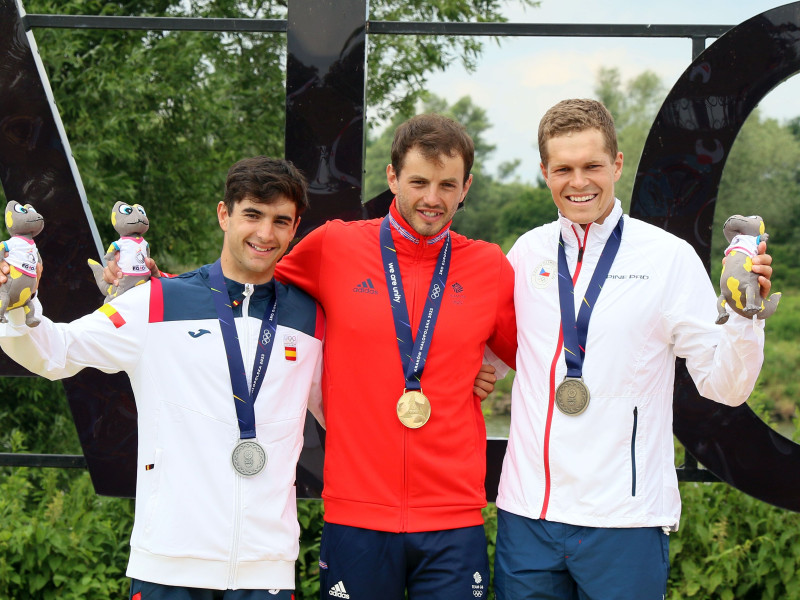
(378, 473)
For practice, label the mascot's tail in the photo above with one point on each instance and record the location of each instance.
(97, 271)
(768, 305)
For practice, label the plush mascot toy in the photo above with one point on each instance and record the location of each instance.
(131, 224)
(23, 223)
(738, 284)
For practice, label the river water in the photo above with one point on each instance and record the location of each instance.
(498, 425)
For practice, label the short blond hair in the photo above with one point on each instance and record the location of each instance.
(576, 115)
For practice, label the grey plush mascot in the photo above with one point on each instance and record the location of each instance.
(739, 289)
(131, 223)
(23, 223)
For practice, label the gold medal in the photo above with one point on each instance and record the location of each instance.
(572, 396)
(413, 409)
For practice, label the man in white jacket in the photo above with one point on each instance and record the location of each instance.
(223, 361)
(605, 303)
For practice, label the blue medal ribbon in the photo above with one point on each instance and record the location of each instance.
(575, 332)
(244, 397)
(413, 350)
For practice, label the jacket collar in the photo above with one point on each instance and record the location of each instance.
(598, 232)
(405, 236)
(236, 289)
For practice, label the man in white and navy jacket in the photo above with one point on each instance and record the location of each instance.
(223, 361)
(604, 303)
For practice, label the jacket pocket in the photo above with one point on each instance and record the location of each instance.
(633, 450)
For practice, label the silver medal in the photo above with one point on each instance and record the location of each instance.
(572, 396)
(248, 458)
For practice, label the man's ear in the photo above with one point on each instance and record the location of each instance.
(618, 166)
(544, 173)
(222, 216)
(464, 192)
(391, 178)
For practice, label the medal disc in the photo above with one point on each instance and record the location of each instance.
(572, 396)
(248, 458)
(413, 409)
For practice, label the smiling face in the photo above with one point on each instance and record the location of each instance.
(428, 192)
(581, 174)
(257, 235)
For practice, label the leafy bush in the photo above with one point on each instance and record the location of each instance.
(731, 546)
(309, 514)
(58, 539)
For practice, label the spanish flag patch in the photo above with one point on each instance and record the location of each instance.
(290, 347)
(113, 315)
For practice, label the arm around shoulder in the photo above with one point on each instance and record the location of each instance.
(301, 266)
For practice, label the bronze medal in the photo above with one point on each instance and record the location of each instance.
(248, 458)
(572, 396)
(413, 409)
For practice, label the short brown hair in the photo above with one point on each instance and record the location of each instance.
(576, 115)
(264, 179)
(433, 135)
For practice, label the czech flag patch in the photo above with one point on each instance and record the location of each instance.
(113, 315)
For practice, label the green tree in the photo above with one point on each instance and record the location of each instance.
(400, 65)
(762, 176)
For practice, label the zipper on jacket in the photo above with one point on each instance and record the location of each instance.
(633, 450)
(411, 303)
(237, 493)
(552, 395)
(236, 534)
(411, 298)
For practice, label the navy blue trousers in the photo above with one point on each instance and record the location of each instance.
(544, 560)
(362, 564)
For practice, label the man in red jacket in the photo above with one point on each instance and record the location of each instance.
(410, 306)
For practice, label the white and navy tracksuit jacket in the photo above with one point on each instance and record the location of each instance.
(612, 466)
(197, 522)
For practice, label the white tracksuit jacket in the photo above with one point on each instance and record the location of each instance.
(613, 465)
(198, 523)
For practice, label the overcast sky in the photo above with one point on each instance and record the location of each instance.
(519, 80)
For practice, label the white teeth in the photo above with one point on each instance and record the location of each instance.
(582, 198)
(259, 248)
(430, 214)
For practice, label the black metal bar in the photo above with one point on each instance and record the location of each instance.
(77, 461)
(379, 27)
(689, 461)
(59, 461)
(697, 475)
(698, 46)
(155, 23)
(546, 29)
